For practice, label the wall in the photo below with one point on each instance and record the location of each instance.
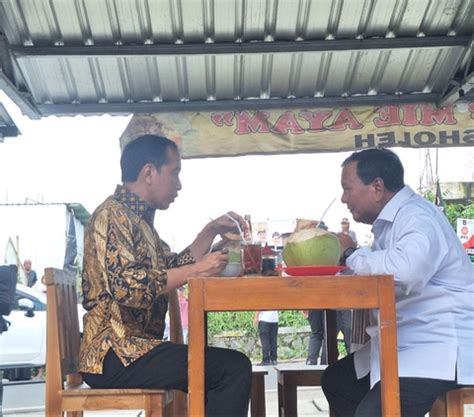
(292, 342)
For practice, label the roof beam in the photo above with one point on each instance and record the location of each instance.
(18, 98)
(244, 48)
(236, 105)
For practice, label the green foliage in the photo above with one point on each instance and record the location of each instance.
(454, 211)
(242, 321)
(230, 321)
(430, 195)
(292, 319)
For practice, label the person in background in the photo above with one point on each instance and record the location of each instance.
(267, 324)
(128, 271)
(316, 319)
(316, 338)
(434, 289)
(30, 274)
(183, 311)
(345, 229)
(262, 237)
(276, 240)
(41, 286)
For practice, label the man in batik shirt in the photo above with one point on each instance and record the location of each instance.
(128, 271)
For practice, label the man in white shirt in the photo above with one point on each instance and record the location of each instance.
(434, 281)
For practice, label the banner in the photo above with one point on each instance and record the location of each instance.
(232, 133)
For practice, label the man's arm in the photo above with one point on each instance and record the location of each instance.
(416, 250)
(130, 277)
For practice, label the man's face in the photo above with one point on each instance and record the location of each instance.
(165, 183)
(27, 265)
(363, 201)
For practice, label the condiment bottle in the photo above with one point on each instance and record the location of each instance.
(269, 258)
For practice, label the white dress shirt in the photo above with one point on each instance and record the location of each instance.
(434, 282)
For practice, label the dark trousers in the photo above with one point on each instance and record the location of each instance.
(316, 320)
(352, 397)
(268, 333)
(316, 339)
(228, 376)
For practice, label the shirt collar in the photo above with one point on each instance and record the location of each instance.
(390, 209)
(140, 207)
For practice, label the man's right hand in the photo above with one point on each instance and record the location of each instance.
(211, 264)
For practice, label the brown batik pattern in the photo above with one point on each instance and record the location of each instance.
(125, 264)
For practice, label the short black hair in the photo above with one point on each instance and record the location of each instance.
(378, 163)
(145, 149)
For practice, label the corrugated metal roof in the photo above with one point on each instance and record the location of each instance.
(149, 55)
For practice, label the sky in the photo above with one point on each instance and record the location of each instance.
(76, 160)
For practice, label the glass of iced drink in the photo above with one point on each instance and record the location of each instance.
(251, 255)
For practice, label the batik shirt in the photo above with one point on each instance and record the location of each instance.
(124, 281)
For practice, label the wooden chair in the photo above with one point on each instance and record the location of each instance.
(452, 403)
(360, 321)
(291, 376)
(63, 340)
(257, 393)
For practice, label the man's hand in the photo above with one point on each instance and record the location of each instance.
(211, 264)
(348, 246)
(228, 223)
(223, 224)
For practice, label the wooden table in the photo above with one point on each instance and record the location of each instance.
(293, 293)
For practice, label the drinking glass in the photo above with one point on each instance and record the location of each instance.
(251, 255)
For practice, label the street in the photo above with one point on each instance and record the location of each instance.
(26, 399)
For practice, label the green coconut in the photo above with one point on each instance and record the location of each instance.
(312, 247)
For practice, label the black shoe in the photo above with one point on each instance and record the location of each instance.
(264, 363)
(310, 362)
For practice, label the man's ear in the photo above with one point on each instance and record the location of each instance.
(147, 173)
(378, 186)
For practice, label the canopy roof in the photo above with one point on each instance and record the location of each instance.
(120, 56)
(7, 125)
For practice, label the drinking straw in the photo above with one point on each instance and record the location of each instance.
(238, 226)
(325, 211)
(249, 241)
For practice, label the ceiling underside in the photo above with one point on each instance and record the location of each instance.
(120, 56)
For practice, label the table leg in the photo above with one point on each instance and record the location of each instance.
(331, 336)
(389, 383)
(331, 342)
(196, 349)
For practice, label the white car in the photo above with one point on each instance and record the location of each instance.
(23, 345)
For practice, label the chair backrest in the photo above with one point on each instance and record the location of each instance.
(63, 325)
(63, 337)
(62, 315)
(360, 321)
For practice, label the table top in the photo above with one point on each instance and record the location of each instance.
(302, 292)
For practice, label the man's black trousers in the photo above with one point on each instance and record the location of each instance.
(228, 376)
(352, 397)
